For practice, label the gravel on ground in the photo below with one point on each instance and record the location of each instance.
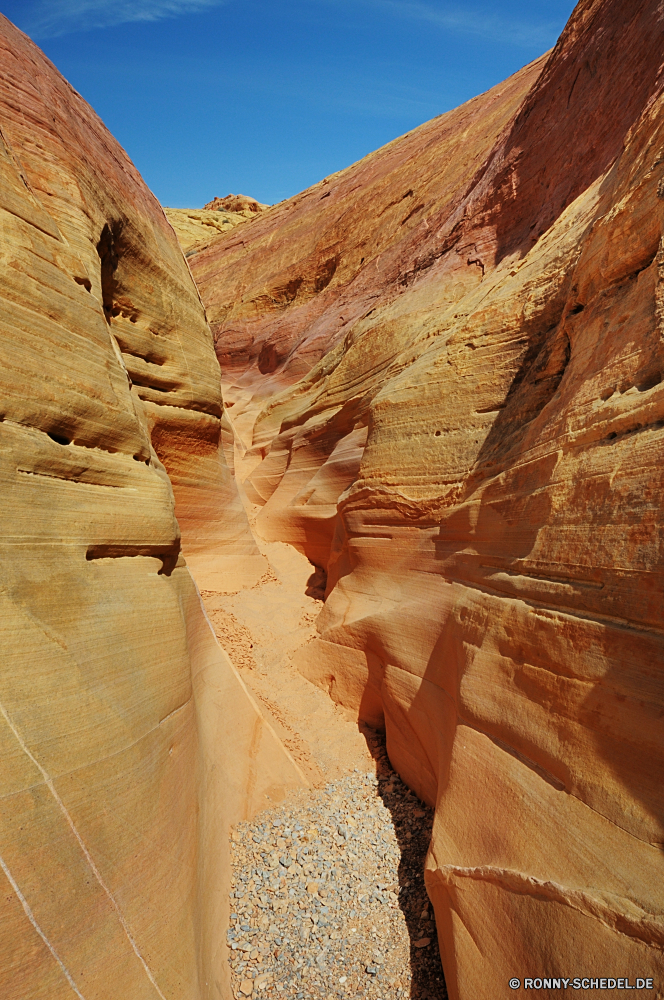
(328, 897)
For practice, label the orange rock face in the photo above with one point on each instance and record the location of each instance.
(128, 742)
(236, 203)
(447, 373)
(278, 298)
(178, 388)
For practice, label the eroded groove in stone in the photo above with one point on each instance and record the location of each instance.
(491, 545)
(115, 693)
(444, 401)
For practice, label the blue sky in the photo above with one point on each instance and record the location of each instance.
(266, 98)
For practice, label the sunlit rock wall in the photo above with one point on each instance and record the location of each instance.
(127, 741)
(468, 436)
(129, 262)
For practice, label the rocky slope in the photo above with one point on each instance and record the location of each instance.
(240, 203)
(445, 365)
(128, 741)
(195, 226)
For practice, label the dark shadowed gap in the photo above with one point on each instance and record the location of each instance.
(413, 822)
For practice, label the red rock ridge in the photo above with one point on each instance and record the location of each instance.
(462, 422)
(280, 297)
(235, 203)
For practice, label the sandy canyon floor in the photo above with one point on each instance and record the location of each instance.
(328, 895)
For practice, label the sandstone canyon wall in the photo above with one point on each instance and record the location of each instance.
(127, 741)
(194, 227)
(445, 368)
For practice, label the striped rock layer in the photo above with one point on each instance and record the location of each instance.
(445, 370)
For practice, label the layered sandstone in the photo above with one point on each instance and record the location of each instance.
(194, 227)
(128, 741)
(239, 203)
(446, 368)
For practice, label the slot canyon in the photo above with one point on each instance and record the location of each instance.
(332, 570)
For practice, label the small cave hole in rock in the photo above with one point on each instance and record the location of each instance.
(59, 438)
(326, 272)
(476, 262)
(317, 583)
(649, 381)
(268, 359)
(109, 248)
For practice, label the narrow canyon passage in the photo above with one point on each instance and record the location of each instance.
(442, 372)
(327, 892)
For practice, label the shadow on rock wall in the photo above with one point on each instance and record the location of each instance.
(574, 121)
(412, 823)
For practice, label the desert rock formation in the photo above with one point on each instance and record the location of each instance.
(194, 227)
(239, 203)
(444, 382)
(445, 368)
(129, 742)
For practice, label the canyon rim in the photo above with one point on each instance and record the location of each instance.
(442, 373)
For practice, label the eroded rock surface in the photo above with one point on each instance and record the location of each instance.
(122, 255)
(194, 227)
(128, 742)
(447, 375)
(240, 203)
